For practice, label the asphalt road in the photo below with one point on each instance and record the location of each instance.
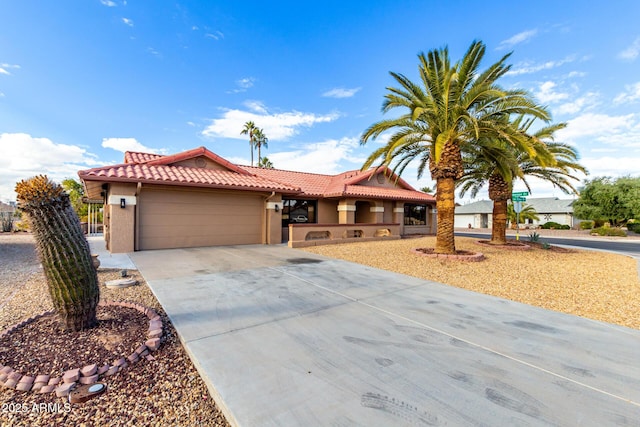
(628, 247)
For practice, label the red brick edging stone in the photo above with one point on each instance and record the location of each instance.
(467, 256)
(88, 374)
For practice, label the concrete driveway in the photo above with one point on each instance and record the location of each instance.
(283, 337)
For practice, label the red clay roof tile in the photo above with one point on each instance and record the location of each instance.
(158, 169)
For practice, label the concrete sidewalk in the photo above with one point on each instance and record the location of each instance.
(288, 338)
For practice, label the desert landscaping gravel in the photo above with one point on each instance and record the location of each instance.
(165, 391)
(597, 285)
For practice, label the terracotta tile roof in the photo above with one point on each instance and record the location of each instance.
(160, 169)
(180, 175)
(385, 193)
(135, 157)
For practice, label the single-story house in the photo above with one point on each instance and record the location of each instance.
(197, 198)
(480, 214)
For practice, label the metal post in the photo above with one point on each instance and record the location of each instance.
(517, 226)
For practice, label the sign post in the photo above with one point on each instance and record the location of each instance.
(517, 198)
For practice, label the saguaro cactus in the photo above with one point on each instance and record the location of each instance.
(63, 251)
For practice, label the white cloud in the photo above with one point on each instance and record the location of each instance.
(4, 68)
(154, 52)
(108, 3)
(518, 38)
(632, 51)
(243, 84)
(277, 126)
(256, 106)
(341, 93)
(24, 156)
(127, 21)
(611, 166)
(547, 93)
(618, 131)
(127, 144)
(529, 68)
(321, 157)
(589, 100)
(573, 74)
(632, 94)
(216, 35)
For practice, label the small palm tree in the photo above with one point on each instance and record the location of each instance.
(249, 129)
(527, 213)
(455, 106)
(261, 140)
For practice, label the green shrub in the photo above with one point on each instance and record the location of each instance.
(634, 226)
(554, 226)
(598, 223)
(534, 237)
(586, 225)
(609, 231)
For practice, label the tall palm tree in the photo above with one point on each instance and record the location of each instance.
(455, 105)
(553, 162)
(527, 212)
(250, 129)
(261, 140)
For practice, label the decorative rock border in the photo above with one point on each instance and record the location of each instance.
(510, 246)
(460, 256)
(88, 374)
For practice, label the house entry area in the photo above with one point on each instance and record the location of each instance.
(297, 211)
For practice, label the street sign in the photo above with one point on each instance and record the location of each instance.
(520, 193)
(517, 207)
(519, 199)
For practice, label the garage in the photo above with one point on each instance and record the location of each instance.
(172, 218)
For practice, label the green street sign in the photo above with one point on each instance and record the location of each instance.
(520, 193)
(519, 199)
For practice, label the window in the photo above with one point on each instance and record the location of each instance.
(415, 214)
(296, 211)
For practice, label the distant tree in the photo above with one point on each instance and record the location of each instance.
(249, 129)
(264, 162)
(260, 141)
(613, 200)
(76, 192)
(427, 189)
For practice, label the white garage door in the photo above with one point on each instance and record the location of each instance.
(183, 219)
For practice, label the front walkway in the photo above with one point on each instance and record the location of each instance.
(288, 338)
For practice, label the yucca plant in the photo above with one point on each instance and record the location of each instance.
(63, 251)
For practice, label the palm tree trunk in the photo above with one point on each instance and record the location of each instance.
(499, 228)
(445, 193)
(251, 145)
(500, 193)
(259, 154)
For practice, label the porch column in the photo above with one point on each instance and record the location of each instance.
(377, 212)
(346, 211)
(398, 215)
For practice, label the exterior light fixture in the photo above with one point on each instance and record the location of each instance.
(277, 208)
(123, 203)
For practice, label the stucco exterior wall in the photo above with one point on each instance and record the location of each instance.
(120, 222)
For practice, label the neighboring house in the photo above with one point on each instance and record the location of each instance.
(480, 214)
(4, 207)
(197, 198)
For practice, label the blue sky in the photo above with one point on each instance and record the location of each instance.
(82, 81)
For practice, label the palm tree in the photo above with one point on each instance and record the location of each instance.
(553, 162)
(456, 106)
(264, 162)
(250, 129)
(527, 212)
(260, 140)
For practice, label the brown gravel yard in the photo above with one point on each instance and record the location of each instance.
(162, 392)
(597, 285)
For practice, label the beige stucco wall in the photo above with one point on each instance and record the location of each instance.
(120, 222)
(327, 211)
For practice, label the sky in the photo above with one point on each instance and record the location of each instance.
(83, 81)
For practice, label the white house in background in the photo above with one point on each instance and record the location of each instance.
(480, 214)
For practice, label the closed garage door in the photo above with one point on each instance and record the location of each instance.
(183, 219)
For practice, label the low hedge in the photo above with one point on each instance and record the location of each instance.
(634, 226)
(554, 226)
(609, 231)
(586, 225)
